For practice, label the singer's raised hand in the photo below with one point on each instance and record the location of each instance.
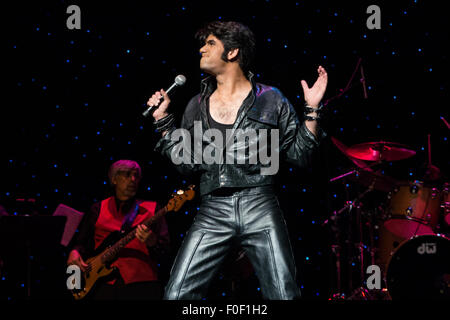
(161, 112)
(314, 94)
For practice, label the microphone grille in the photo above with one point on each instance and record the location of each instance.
(180, 80)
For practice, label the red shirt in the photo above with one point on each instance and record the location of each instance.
(134, 262)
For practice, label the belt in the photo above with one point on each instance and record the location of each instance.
(239, 191)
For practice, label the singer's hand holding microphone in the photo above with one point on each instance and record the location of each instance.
(157, 110)
(161, 111)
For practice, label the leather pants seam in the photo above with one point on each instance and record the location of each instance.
(237, 214)
(189, 264)
(274, 267)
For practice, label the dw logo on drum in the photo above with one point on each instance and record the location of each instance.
(427, 248)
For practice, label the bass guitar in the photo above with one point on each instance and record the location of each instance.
(99, 265)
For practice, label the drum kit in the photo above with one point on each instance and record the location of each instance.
(402, 231)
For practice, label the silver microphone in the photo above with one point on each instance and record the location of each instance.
(179, 81)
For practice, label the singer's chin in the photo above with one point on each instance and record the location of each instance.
(208, 71)
(204, 68)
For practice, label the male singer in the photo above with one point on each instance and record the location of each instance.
(238, 205)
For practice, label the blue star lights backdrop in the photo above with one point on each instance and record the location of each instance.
(75, 99)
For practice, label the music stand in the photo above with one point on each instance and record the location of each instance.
(73, 220)
(30, 236)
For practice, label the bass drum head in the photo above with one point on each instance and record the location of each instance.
(420, 269)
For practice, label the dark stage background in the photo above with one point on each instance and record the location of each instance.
(74, 99)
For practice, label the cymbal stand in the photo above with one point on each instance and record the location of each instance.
(356, 171)
(373, 250)
(361, 292)
(336, 248)
(350, 247)
(360, 244)
(349, 204)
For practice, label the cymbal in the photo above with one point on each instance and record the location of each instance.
(380, 151)
(375, 179)
(343, 148)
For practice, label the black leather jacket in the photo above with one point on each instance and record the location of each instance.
(264, 108)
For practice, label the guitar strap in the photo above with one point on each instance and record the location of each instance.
(129, 218)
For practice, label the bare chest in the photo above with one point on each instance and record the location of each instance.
(224, 111)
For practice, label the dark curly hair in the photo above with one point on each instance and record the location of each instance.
(233, 35)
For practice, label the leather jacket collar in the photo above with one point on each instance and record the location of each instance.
(208, 85)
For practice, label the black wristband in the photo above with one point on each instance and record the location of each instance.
(163, 120)
(309, 118)
(165, 127)
(164, 123)
(309, 109)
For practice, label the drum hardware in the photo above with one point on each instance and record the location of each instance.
(348, 205)
(412, 211)
(432, 172)
(409, 212)
(371, 225)
(446, 123)
(366, 178)
(382, 215)
(425, 221)
(363, 175)
(336, 249)
(445, 203)
(359, 245)
(434, 193)
(410, 218)
(361, 293)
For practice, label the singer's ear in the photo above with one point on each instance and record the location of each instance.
(233, 54)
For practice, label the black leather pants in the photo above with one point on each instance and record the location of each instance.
(253, 219)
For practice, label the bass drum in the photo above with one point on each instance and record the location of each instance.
(420, 269)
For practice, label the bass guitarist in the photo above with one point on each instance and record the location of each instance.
(136, 274)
